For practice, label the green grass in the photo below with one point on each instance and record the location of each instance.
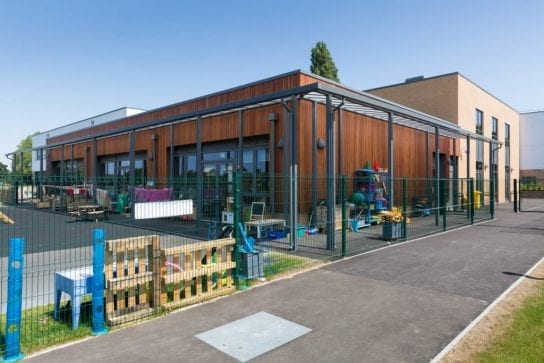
(39, 330)
(524, 340)
(281, 263)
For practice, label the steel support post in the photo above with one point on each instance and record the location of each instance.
(437, 172)
(404, 214)
(314, 165)
(272, 155)
(171, 172)
(286, 153)
(331, 180)
(391, 162)
(293, 176)
(240, 159)
(199, 173)
(340, 154)
(40, 179)
(132, 168)
(61, 191)
(72, 170)
(344, 201)
(95, 168)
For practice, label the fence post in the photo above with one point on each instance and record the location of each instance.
(237, 218)
(445, 203)
(515, 195)
(99, 327)
(15, 300)
(404, 198)
(344, 219)
(471, 196)
(492, 199)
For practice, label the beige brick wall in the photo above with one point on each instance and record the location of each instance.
(472, 97)
(434, 96)
(454, 98)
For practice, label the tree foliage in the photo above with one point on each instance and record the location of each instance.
(24, 147)
(322, 63)
(3, 169)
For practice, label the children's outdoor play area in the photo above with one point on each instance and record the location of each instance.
(84, 258)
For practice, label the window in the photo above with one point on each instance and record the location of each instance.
(255, 179)
(185, 165)
(494, 128)
(480, 131)
(506, 134)
(479, 122)
(115, 172)
(215, 156)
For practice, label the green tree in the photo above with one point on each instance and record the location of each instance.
(3, 169)
(25, 147)
(322, 63)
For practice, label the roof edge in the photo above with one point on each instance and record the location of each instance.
(90, 118)
(446, 75)
(415, 81)
(268, 79)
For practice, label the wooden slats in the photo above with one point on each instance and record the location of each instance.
(127, 278)
(173, 277)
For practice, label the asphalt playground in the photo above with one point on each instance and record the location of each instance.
(403, 303)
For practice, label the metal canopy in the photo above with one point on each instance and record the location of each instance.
(351, 100)
(374, 106)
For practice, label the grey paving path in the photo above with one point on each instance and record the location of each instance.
(400, 304)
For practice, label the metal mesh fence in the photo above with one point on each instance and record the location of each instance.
(531, 194)
(279, 224)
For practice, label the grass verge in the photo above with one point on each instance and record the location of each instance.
(281, 263)
(40, 330)
(523, 341)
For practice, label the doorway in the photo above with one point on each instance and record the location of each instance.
(216, 188)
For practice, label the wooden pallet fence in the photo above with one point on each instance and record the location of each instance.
(132, 288)
(196, 272)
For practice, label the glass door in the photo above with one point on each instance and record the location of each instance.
(217, 188)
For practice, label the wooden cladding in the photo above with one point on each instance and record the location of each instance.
(225, 97)
(363, 139)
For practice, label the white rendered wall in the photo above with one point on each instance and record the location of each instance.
(41, 138)
(532, 140)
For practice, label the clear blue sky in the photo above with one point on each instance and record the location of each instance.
(63, 61)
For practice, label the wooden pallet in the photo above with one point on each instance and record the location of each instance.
(131, 286)
(196, 272)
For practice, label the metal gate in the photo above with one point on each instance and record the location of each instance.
(529, 195)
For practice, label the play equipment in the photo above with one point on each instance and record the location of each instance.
(5, 219)
(368, 198)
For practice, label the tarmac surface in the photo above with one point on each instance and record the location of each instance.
(399, 304)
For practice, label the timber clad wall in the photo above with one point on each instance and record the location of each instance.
(363, 138)
(245, 92)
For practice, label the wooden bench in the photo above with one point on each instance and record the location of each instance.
(96, 215)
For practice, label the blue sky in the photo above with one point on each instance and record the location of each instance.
(65, 60)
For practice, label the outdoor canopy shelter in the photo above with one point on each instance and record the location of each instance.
(320, 95)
